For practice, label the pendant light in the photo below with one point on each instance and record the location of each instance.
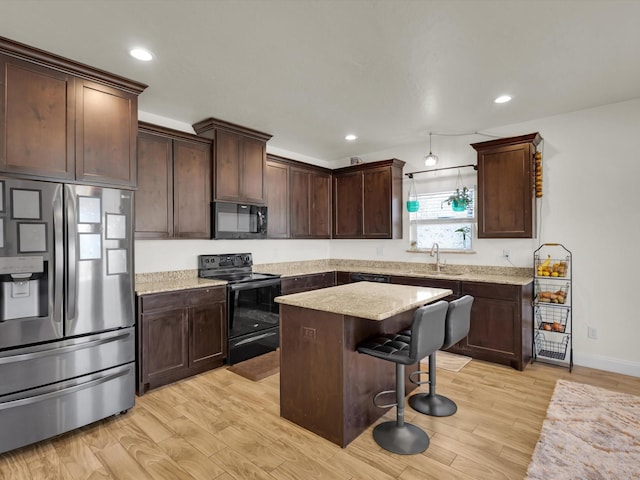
(431, 159)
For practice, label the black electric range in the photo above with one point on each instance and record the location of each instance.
(252, 314)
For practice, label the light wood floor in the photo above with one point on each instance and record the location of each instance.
(221, 426)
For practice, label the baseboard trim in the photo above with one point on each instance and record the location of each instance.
(608, 364)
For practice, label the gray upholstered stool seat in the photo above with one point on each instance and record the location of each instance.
(457, 325)
(426, 336)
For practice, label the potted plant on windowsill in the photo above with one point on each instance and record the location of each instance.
(460, 200)
(466, 233)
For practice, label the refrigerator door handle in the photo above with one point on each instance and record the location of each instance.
(62, 350)
(58, 258)
(65, 391)
(71, 252)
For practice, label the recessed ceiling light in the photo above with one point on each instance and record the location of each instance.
(141, 54)
(502, 99)
(351, 137)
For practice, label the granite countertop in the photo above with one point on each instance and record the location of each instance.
(471, 273)
(375, 301)
(159, 282)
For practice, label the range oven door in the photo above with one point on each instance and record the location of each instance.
(254, 319)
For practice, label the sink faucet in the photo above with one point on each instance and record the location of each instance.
(436, 248)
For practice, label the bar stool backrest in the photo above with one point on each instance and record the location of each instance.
(427, 330)
(458, 321)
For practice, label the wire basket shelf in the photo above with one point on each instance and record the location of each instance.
(550, 348)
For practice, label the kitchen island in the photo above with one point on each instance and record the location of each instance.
(326, 386)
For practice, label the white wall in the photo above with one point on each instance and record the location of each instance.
(590, 199)
(167, 255)
(590, 203)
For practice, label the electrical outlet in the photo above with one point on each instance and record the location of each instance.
(592, 332)
(506, 253)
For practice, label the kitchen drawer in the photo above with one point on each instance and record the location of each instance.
(303, 283)
(28, 417)
(29, 367)
(204, 296)
(162, 301)
(492, 290)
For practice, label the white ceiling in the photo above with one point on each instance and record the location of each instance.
(309, 72)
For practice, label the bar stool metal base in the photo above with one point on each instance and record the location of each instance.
(433, 405)
(404, 440)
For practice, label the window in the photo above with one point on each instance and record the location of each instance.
(437, 222)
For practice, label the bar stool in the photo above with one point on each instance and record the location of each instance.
(457, 325)
(427, 336)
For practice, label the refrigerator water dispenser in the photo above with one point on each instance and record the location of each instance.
(22, 294)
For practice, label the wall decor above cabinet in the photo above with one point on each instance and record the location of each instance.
(367, 200)
(64, 120)
(505, 199)
(174, 184)
(239, 156)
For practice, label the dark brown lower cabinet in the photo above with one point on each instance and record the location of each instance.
(180, 334)
(343, 278)
(501, 319)
(501, 324)
(303, 283)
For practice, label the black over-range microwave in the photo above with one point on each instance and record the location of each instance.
(238, 220)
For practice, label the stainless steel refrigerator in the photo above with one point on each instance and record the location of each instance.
(67, 339)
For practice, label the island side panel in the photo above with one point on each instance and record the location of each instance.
(365, 376)
(325, 385)
(311, 370)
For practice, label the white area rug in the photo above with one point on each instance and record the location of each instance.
(589, 433)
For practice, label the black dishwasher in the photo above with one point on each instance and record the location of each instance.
(369, 277)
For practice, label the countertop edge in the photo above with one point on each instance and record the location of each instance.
(315, 300)
(147, 288)
(177, 284)
(465, 277)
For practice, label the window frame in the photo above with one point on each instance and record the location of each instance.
(442, 196)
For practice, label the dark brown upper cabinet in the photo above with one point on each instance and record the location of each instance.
(106, 131)
(63, 120)
(505, 197)
(367, 200)
(277, 185)
(239, 158)
(174, 187)
(310, 203)
(298, 199)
